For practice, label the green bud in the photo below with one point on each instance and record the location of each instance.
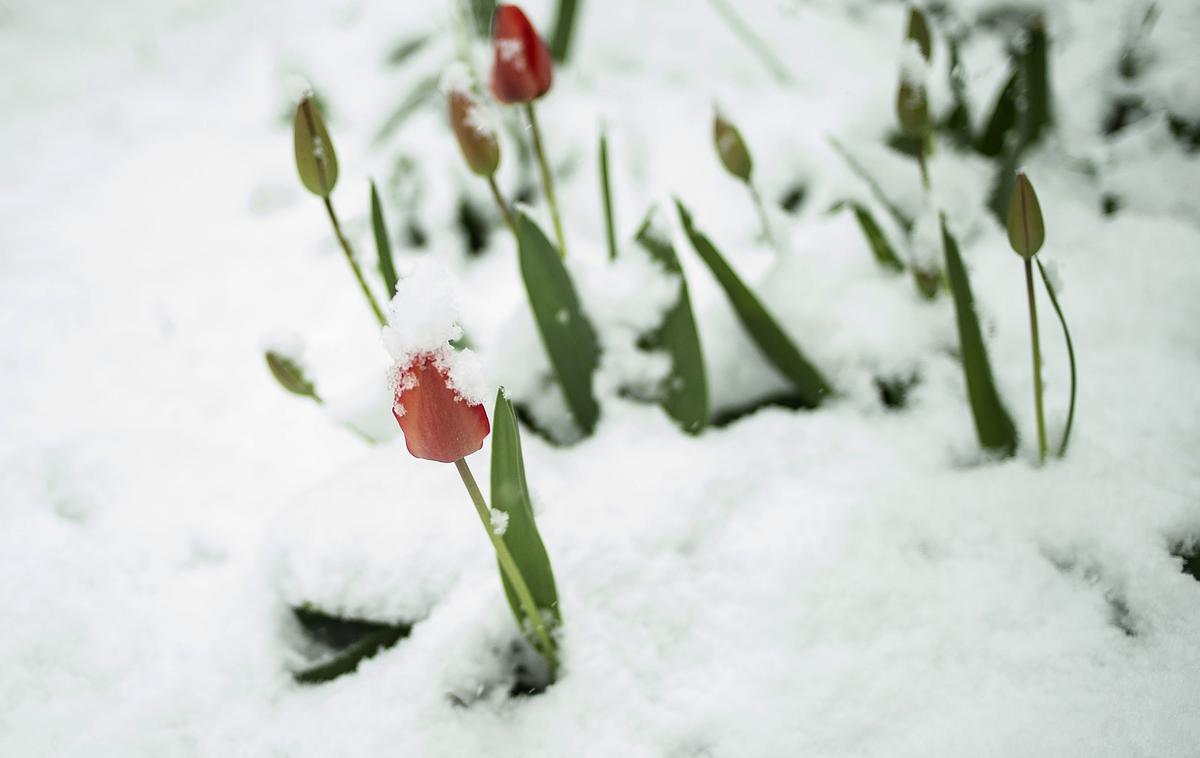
(912, 109)
(315, 158)
(476, 139)
(1026, 232)
(731, 148)
(290, 375)
(918, 31)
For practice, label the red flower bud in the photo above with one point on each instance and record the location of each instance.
(521, 72)
(438, 423)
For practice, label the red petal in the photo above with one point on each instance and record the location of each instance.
(522, 70)
(438, 424)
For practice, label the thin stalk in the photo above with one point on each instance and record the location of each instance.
(508, 219)
(547, 181)
(762, 215)
(358, 274)
(755, 43)
(1037, 361)
(921, 163)
(508, 565)
(1062, 448)
(606, 194)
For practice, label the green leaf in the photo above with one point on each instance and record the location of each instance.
(421, 93)
(315, 159)
(1026, 230)
(1004, 119)
(902, 220)
(510, 495)
(766, 333)
(406, 49)
(885, 255)
(918, 31)
(1062, 448)
(566, 333)
(481, 14)
(564, 29)
(383, 244)
(1037, 115)
(606, 194)
(686, 391)
(993, 426)
(354, 640)
(291, 375)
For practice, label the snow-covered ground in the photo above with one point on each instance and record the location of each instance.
(851, 581)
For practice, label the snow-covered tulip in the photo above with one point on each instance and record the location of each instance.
(476, 138)
(522, 71)
(439, 424)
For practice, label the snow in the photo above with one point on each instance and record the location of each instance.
(851, 581)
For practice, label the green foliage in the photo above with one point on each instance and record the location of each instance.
(766, 333)
(291, 375)
(685, 396)
(316, 160)
(885, 255)
(1062, 320)
(383, 244)
(353, 641)
(993, 425)
(510, 495)
(566, 334)
(564, 29)
(606, 196)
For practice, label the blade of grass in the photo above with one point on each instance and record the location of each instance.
(606, 194)
(564, 29)
(686, 390)
(566, 334)
(885, 255)
(383, 244)
(993, 426)
(766, 333)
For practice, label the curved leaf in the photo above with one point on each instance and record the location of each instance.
(566, 333)
(766, 333)
(993, 425)
(686, 391)
(383, 244)
(1062, 448)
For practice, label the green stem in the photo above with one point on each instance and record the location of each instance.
(606, 194)
(358, 274)
(1062, 448)
(921, 163)
(762, 215)
(508, 219)
(564, 28)
(1037, 360)
(752, 41)
(509, 566)
(547, 181)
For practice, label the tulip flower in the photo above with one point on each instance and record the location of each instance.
(735, 157)
(476, 138)
(439, 424)
(1026, 234)
(522, 73)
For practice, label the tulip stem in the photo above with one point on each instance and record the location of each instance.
(921, 163)
(547, 181)
(358, 274)
(762, 214)
(1037, 360)
(508, 219)
(509, 566)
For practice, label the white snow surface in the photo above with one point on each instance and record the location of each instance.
(851, 581)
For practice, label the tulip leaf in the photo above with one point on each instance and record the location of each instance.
(510, 495)
(993, 425)
(1062, 448)
(885, 255)
(902, 220)
(315, 159)
(566, 334)
(685, 397)
(606, 196)
(383, 244)
(1003, 120)
(766, 333)
(352, 642)
(564, 29)
(481, 16)
(1037, 115)
(421, 93)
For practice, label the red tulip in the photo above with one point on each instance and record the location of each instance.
(521, 72)
(438, 423)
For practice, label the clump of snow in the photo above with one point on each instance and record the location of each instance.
(914, 69)
(1053, 276)
(499, 521)
(512, 51)
(456, 77)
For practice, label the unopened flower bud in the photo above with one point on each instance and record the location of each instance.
(731, 148)
(1026, 232)
(315, 158)
(289, 372)
(522, 71)
(475, 136)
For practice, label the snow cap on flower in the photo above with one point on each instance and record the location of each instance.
(439, 391)
(522, 71)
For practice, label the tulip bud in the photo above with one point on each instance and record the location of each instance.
(912, 110)
(475, 137)
(315, 158)
(439, 424)
(289, 372)
(731, 148)
(1026, 231)
(918, 31)
(522, 69)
